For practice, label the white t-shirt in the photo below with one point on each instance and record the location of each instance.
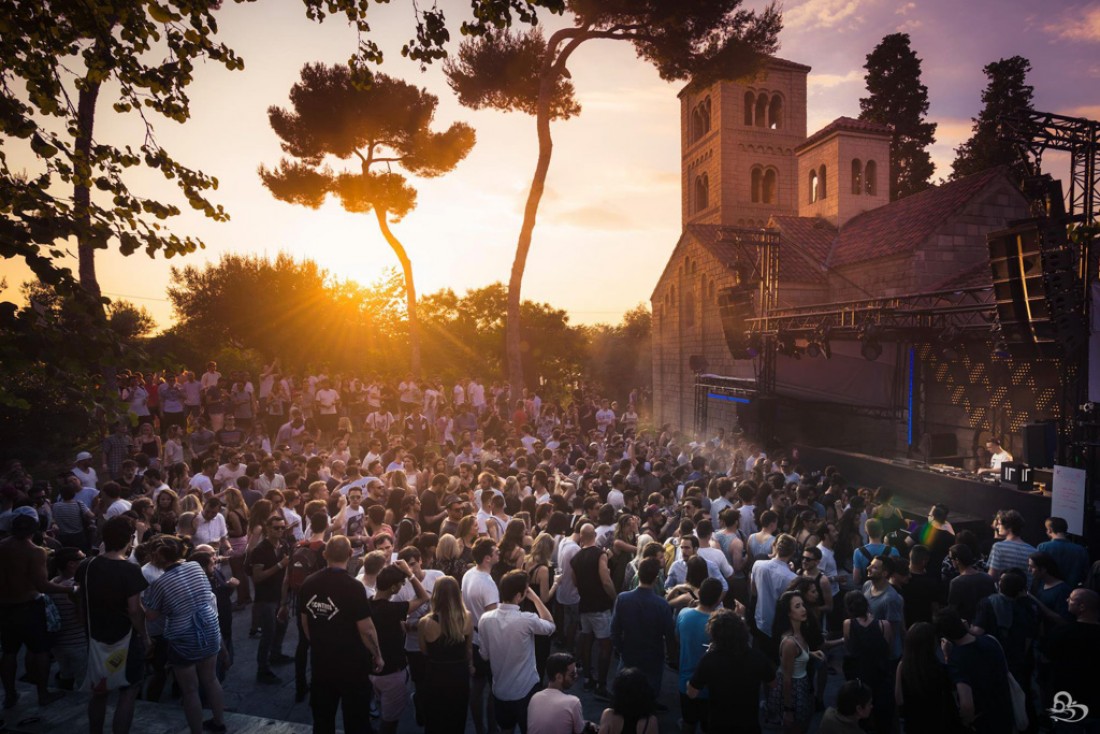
(406, 593)
(478, 592)
(202, 482)
(210, 532)
(87, 477)
(326, 401)
(615, 499)
(553, 712)
(459, 395)
(999, 458)
(117, 507)
(225, 476)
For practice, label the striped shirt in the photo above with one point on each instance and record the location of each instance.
(69, 517)
(1010, 554)
(183, 596)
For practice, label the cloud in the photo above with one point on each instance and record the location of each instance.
(597, 216)
(828, 81)
(911, 24)
(1080, 26)
(904, 9)
(1091, 111)
(821, 14)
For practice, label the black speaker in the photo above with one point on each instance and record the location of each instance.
(735, 306)
(1040, 444)
(1035, 286)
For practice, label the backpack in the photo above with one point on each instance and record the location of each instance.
(305, 559)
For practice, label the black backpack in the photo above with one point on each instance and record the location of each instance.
(305, 560)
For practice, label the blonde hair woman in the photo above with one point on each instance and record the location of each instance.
(191, 503)
(446, 636)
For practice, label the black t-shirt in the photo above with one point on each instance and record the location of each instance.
(227, 437)
(334, 603)
(389, 621)
(981, 665)
(105, 590)
(586, 572)
(266, 555)
(429, 505)
(733, 687)
(1073, 650)
(919, 594)
(967, 590)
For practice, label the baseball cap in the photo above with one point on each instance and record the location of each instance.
(25, 512)
(84, 456)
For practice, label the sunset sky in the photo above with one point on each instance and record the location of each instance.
(611, 213)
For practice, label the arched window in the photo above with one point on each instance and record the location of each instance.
(757, 184)
(750, 104)
(857, 176)
(822, 192)
(869, 178)
(700, 120)
(761, 110)
(702, 193)
(812, 185)
(775, 113)
(689, 307)
(771, 186)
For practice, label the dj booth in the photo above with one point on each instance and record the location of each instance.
(970, 500)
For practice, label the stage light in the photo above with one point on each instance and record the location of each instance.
(818, 343)
(870, 347)
(950, 342)
(871, 350)
(813, 350)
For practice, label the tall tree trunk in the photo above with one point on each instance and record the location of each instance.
(410, 290)
(82, 194)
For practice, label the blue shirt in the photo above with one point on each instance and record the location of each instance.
(691, 628)
(1072, 559)
(640, 624)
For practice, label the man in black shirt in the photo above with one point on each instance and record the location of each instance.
(268, 561)
(924, 593)
(110, 587)
(336, 617)
(970, 586)
(593, 579)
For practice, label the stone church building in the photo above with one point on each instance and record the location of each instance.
(748, 162)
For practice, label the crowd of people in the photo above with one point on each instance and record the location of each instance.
(473, 556)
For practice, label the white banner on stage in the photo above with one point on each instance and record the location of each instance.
(1068, 501)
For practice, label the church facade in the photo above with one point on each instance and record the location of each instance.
(748, 163)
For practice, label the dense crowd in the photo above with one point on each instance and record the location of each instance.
(467, 553)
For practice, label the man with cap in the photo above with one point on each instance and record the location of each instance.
(83, 470)
(22, 612)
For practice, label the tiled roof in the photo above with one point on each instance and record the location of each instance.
(799, 260)
(901, 226)
(977, 276)
(805, 243)
(844, 124)
(786, 64)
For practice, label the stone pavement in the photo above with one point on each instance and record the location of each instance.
(268, 708)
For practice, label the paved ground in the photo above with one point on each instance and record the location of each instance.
(272, 704)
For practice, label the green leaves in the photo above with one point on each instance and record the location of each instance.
(502, 70)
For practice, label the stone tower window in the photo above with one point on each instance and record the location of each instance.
(757, 181)
(702, 193)
(775, 112)
(750, 105)
(771, 186)
(870, 185)
(689, 307)
(822, 193)
(857, 177)
(700, 120)
(761, 110)
(812, 186)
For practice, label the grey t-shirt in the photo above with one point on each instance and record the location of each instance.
(890, 607)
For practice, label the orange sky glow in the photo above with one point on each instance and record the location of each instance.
(611, 213)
